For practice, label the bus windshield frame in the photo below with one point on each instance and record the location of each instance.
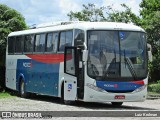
(117, 55)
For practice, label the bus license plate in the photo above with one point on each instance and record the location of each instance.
(119, 97)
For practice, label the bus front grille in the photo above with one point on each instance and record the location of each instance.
(121, 91)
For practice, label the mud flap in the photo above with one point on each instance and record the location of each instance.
(70, 88)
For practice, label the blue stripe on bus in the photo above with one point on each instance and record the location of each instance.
(39, 77)
(119, 86)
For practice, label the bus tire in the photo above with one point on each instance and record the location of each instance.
(23, 94)
(117, 104)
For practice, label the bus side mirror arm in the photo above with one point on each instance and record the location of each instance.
(85, 55)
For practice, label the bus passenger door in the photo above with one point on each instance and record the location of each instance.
(71, 66)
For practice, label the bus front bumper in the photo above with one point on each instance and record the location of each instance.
(92, 95)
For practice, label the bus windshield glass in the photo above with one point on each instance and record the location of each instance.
(117, 55)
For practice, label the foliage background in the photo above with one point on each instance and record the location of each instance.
(10, 20)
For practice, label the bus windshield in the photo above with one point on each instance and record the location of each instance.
(117, 55)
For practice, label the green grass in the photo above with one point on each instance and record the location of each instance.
(5, 95)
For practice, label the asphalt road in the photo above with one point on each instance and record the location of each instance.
(43, 103)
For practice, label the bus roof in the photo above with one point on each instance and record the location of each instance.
(81, 25)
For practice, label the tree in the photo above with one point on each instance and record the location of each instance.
(89, 13)
(126, 16)
(151, 21)
(150, 12)
(10, 20)
(92, 13)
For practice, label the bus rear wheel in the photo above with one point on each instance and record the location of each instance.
(23, 94)
(117, 104)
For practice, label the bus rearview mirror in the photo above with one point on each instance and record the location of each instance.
(150, 56)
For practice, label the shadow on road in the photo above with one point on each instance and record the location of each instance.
(88, 105)
(109, 106)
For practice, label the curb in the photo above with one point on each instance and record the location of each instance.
(152, 97)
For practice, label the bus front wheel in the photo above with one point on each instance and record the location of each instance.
(117, 104)
(23, 94)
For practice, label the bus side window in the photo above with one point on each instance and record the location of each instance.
(28, 43)
(69, 38)
(52, 40)
(65, 39)
(79, 37)
(40, 43)
(55, 41)
(11, 45)
(19, 44)
(62, 41)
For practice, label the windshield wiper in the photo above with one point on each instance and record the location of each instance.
(131, 69)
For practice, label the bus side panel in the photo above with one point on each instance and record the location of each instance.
(11, 73)
(39, 77)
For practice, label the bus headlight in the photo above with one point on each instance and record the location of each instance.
(94, 87)
(140, 89)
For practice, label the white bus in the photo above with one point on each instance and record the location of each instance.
(79, 61)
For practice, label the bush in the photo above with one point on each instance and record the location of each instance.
(154, 88)
(154, 67)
